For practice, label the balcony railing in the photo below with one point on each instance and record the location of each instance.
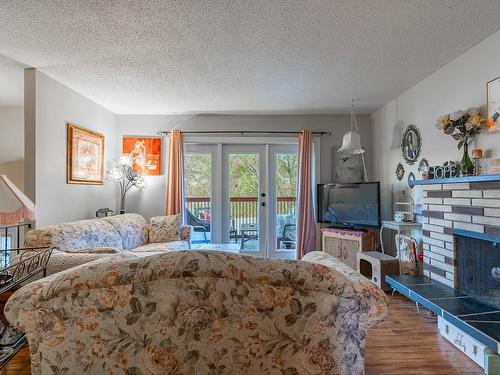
(243, 209)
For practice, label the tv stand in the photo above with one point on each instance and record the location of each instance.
(345, 244)
(347, 228)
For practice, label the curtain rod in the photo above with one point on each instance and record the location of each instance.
(241, 132)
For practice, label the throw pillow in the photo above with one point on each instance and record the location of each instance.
(165, 228)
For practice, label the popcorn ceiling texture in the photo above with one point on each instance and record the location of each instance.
(258, 56)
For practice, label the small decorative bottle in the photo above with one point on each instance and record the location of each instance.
(477, 155)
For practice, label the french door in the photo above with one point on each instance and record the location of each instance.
(243, 195)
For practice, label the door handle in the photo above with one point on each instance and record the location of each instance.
(263, 204)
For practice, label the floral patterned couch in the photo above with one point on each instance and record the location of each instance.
(83, 241)
(199, 312)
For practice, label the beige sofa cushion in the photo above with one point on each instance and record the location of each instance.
(165, 228)
(83, 234)
(162, 246)
(133, 229)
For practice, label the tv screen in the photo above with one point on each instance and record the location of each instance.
(350, 205)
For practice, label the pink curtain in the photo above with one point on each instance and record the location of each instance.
(175, 173)
(306, 228)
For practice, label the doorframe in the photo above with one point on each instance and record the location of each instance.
(217, 141)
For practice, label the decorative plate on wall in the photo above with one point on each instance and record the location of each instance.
(400, 171)
(411, 144)
(411, 177)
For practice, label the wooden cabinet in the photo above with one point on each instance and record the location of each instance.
(345, 245)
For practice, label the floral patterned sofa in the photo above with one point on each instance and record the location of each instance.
(83, 241)
(199, 312)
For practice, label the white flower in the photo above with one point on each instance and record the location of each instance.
(115, 174)
(473, 112)
(457, 115)
(125, 159)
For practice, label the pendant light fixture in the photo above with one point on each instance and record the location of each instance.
(351, 143)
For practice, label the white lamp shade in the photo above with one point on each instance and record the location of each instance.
(351, 143)
(14, 205)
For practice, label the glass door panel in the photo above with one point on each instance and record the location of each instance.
(283, 208)
(245, 197)
(198, 177)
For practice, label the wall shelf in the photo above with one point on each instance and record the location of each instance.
(454, 180)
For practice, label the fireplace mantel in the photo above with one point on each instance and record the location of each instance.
(478, 236)
(455, 180)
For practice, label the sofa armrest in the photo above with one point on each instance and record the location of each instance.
(373, 300)
(186, 232)
(27, 299)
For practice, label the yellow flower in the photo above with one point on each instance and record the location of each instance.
(443, 122)
(476, 120)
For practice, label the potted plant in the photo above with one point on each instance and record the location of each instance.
(462, 126)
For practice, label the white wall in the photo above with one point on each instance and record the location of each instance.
(151, 201)
(461, 84)
(12, 149)
(56, 104)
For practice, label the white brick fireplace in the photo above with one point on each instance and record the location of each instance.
(470, 206)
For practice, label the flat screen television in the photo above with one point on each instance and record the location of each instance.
(355, 206)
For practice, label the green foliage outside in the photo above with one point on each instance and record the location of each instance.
(243, 174)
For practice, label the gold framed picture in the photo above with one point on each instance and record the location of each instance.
(493, 107)
(85, 156)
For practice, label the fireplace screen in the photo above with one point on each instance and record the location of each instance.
(479, 269)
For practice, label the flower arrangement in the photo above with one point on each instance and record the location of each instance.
(462, 127)
(124, 175)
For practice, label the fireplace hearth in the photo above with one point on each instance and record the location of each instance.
(478, 261)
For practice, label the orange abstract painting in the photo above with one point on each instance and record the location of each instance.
(144, 153)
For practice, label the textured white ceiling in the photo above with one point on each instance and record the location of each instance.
(11, 82)
(246, 56)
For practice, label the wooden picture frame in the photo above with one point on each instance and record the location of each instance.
(84, 156)
(493, 105)
(145, 153)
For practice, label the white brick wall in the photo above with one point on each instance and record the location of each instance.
(495, 194)
(457, 186)
(486, 220)
(486, 202)
(432, 200)
(457, 201)
(458, 217)
(492, 212)
(467, 193)
(433, 228)
(467, 226)
(438, 243)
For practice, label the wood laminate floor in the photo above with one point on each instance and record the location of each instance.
(406, 343)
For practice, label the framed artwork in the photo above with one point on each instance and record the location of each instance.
(411, 144)
(346, 168)
(493, 99)
(144, 153)
(85, 156)
(400, 171)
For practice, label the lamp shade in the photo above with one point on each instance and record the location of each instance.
(351, 143)
(14, 205)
